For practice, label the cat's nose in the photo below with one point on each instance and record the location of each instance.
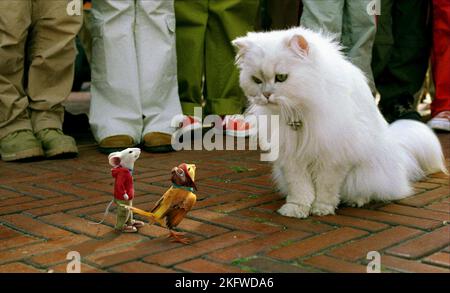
(267, 94)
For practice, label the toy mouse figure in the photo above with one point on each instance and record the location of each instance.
(123, 164)
(178, 200)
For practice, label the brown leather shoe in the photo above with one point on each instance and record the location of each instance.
(158, 142)
(115, 143)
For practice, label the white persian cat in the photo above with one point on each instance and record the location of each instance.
(334, 144)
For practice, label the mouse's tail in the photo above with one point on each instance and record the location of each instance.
(104, 215)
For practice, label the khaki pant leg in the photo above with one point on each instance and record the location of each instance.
(52, 54)
(15, 19)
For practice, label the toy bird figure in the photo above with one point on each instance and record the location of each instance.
(178, 200)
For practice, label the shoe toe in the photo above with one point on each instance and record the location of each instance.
(116, 143)
(158, 142)
(20, 145)
(56, 144)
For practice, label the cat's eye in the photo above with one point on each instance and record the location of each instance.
(256, 80)
(281, 77)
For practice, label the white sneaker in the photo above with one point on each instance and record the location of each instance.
(441, 121)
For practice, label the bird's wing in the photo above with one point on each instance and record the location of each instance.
(189, 201)
(157, 204)
(179, 210)
(174, 217)
(164, 203)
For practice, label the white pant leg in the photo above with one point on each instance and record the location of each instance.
(157, 65)
(115, 105)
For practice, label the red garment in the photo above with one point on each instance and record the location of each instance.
(441, 56)
(123, 184)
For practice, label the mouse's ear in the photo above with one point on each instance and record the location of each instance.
(114, 159)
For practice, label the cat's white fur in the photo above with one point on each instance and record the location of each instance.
(345, 151)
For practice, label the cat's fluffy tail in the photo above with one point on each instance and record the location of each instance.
(421, 146)
(407, 152)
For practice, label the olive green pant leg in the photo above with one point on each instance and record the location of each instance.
(324, 15)
(227, 20)
(15, 20)
(52, 54)
(123, 216)
(404, 72)
(358, 36)
(191, 20)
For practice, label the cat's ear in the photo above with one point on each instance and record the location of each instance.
(299, 45)
(242, 45)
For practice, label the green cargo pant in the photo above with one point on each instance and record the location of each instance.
(400, 55)
(352, 25)
(123, 215)
(37, 53)
(205, 29)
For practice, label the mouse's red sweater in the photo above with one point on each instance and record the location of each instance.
(123, 184)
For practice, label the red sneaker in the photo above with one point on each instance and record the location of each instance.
(441, 121)
(185, 124)
(237, 125)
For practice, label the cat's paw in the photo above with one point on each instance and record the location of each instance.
(357, 203)
(294, 210)
(322, 209)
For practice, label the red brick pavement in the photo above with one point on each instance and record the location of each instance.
(45, 208)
